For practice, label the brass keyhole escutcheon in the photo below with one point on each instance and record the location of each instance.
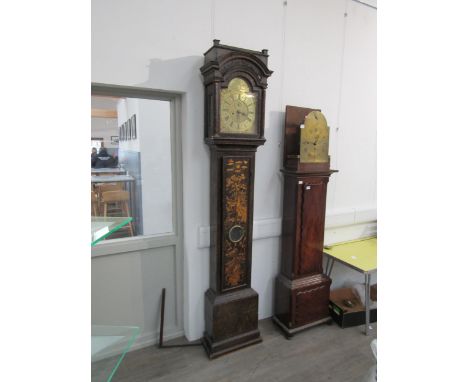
(236, 233)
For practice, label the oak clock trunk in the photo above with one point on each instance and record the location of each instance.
(301, 289)
(235, 83)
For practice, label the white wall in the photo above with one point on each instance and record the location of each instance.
(156, 172)
(126, 290)
(105, 128)
(320, 59)
(153, 142)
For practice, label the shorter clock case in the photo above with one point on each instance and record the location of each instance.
(301, 289)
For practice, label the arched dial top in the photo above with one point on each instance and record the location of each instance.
(314, 139)
(238, 108)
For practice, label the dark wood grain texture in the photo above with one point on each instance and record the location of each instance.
(231, 305)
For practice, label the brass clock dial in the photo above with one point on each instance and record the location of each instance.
(238, 108)
(314, 139)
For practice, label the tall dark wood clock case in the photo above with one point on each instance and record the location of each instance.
(302, 290)
(235, 81)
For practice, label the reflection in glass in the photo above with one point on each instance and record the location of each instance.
(109, 344)
(131, 164)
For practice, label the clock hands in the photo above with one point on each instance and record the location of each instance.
(241, 113)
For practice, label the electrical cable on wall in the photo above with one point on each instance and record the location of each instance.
(340, 91)
(213, 7)
(283, 48)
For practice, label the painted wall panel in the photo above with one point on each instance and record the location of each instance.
(357, 135)
(156, 170)
(126, 290)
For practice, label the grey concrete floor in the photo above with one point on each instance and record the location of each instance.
(323, 353)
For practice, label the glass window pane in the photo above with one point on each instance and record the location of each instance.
(132, 168)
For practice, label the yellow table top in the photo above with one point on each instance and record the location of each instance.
(360, 254)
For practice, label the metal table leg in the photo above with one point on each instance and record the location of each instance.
(328, 271)
(131, 189)
(367, 277)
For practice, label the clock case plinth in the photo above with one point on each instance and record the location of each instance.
(231, 305)
(301, 290)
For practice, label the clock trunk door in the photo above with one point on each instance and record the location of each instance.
(237, 204)
(313, 194)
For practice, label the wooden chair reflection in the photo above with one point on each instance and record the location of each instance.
(119, 198)
(94, 204)
(99, 188)
(103, 187)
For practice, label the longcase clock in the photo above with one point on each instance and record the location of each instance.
(235, 80)
(302, 290)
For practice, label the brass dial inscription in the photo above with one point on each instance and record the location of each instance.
(238, 108)
(314, 139)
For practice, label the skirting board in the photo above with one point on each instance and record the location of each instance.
(268, 228)
(291, 332)
(143, 341)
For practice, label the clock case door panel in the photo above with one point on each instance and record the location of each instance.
(312, 196)
(222, 200)
(303, 227)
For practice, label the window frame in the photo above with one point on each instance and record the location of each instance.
(174, 238)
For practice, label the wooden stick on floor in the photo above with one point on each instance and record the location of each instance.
(161, 327)
(161, 322)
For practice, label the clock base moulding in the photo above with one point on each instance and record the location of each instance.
(231, 321)
(301, 303)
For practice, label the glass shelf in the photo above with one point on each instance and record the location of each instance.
(109, 344)
(101, 226)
